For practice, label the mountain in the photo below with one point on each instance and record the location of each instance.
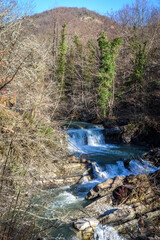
(80, 21)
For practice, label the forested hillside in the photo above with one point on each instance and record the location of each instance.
(121, 85)
(69, 64)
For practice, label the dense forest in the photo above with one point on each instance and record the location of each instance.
(69, 64)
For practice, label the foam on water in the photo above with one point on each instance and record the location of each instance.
(118, 169)
(79, 140)
(98, 172)
(106, 233)
(143, 167)
(106, 162)
(64, 199)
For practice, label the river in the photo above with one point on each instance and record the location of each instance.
(107, 161)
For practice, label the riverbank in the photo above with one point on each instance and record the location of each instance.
(145, 132)
(33, 159)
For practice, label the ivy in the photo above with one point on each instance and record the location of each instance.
(140, 58)
(61, 59)
(90, 66)
(108, 53)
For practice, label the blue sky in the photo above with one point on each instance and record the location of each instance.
(100, 6)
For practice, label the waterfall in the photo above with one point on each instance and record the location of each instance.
(91, 143)
(98, 172)
(80, 140)
(106, 161)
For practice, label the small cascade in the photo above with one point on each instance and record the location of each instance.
(107, 161)
(106, 233)
(98, 172)
(80, 139)
(142, 167)
(95, 137)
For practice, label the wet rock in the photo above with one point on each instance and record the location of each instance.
(125, 201)
(126, 164)
(128, 133)
(84, 223)
(152, 156)
(85, 227)
(113, 134)
(105, 187)
(115, 130)
(125, 133)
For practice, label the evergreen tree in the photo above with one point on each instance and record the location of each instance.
(108, 53)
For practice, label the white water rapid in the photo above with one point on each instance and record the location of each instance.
(106, 233)
(106, 158)
(80, 139)
(107, 161)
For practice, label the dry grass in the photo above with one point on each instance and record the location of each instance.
(27, 151)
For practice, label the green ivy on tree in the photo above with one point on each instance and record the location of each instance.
(61, 59)
(90, 66)
(108, 53)
(70, 72)
(140, 58)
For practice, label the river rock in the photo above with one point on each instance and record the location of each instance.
(84, 223)
(153, 156)
(105, 187)
(69, 171)
(127, 202)
(85, 227)
(123, 134)
(113, 133)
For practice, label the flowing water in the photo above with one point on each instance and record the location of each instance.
(107, 161)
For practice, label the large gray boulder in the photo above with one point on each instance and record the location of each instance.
(105, 188)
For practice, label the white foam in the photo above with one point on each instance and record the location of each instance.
(110, 171)
(106, 233)
(64, 199)
(98, 172)
(81, 140)
(142, 167)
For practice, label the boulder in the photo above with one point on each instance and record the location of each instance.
(123, 201)
(85, 227)
(105, 187)
(153, 156)
(114, 133)
(85, 223)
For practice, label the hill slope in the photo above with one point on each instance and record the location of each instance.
(80, 21)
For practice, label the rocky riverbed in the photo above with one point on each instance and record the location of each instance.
(129, 203)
